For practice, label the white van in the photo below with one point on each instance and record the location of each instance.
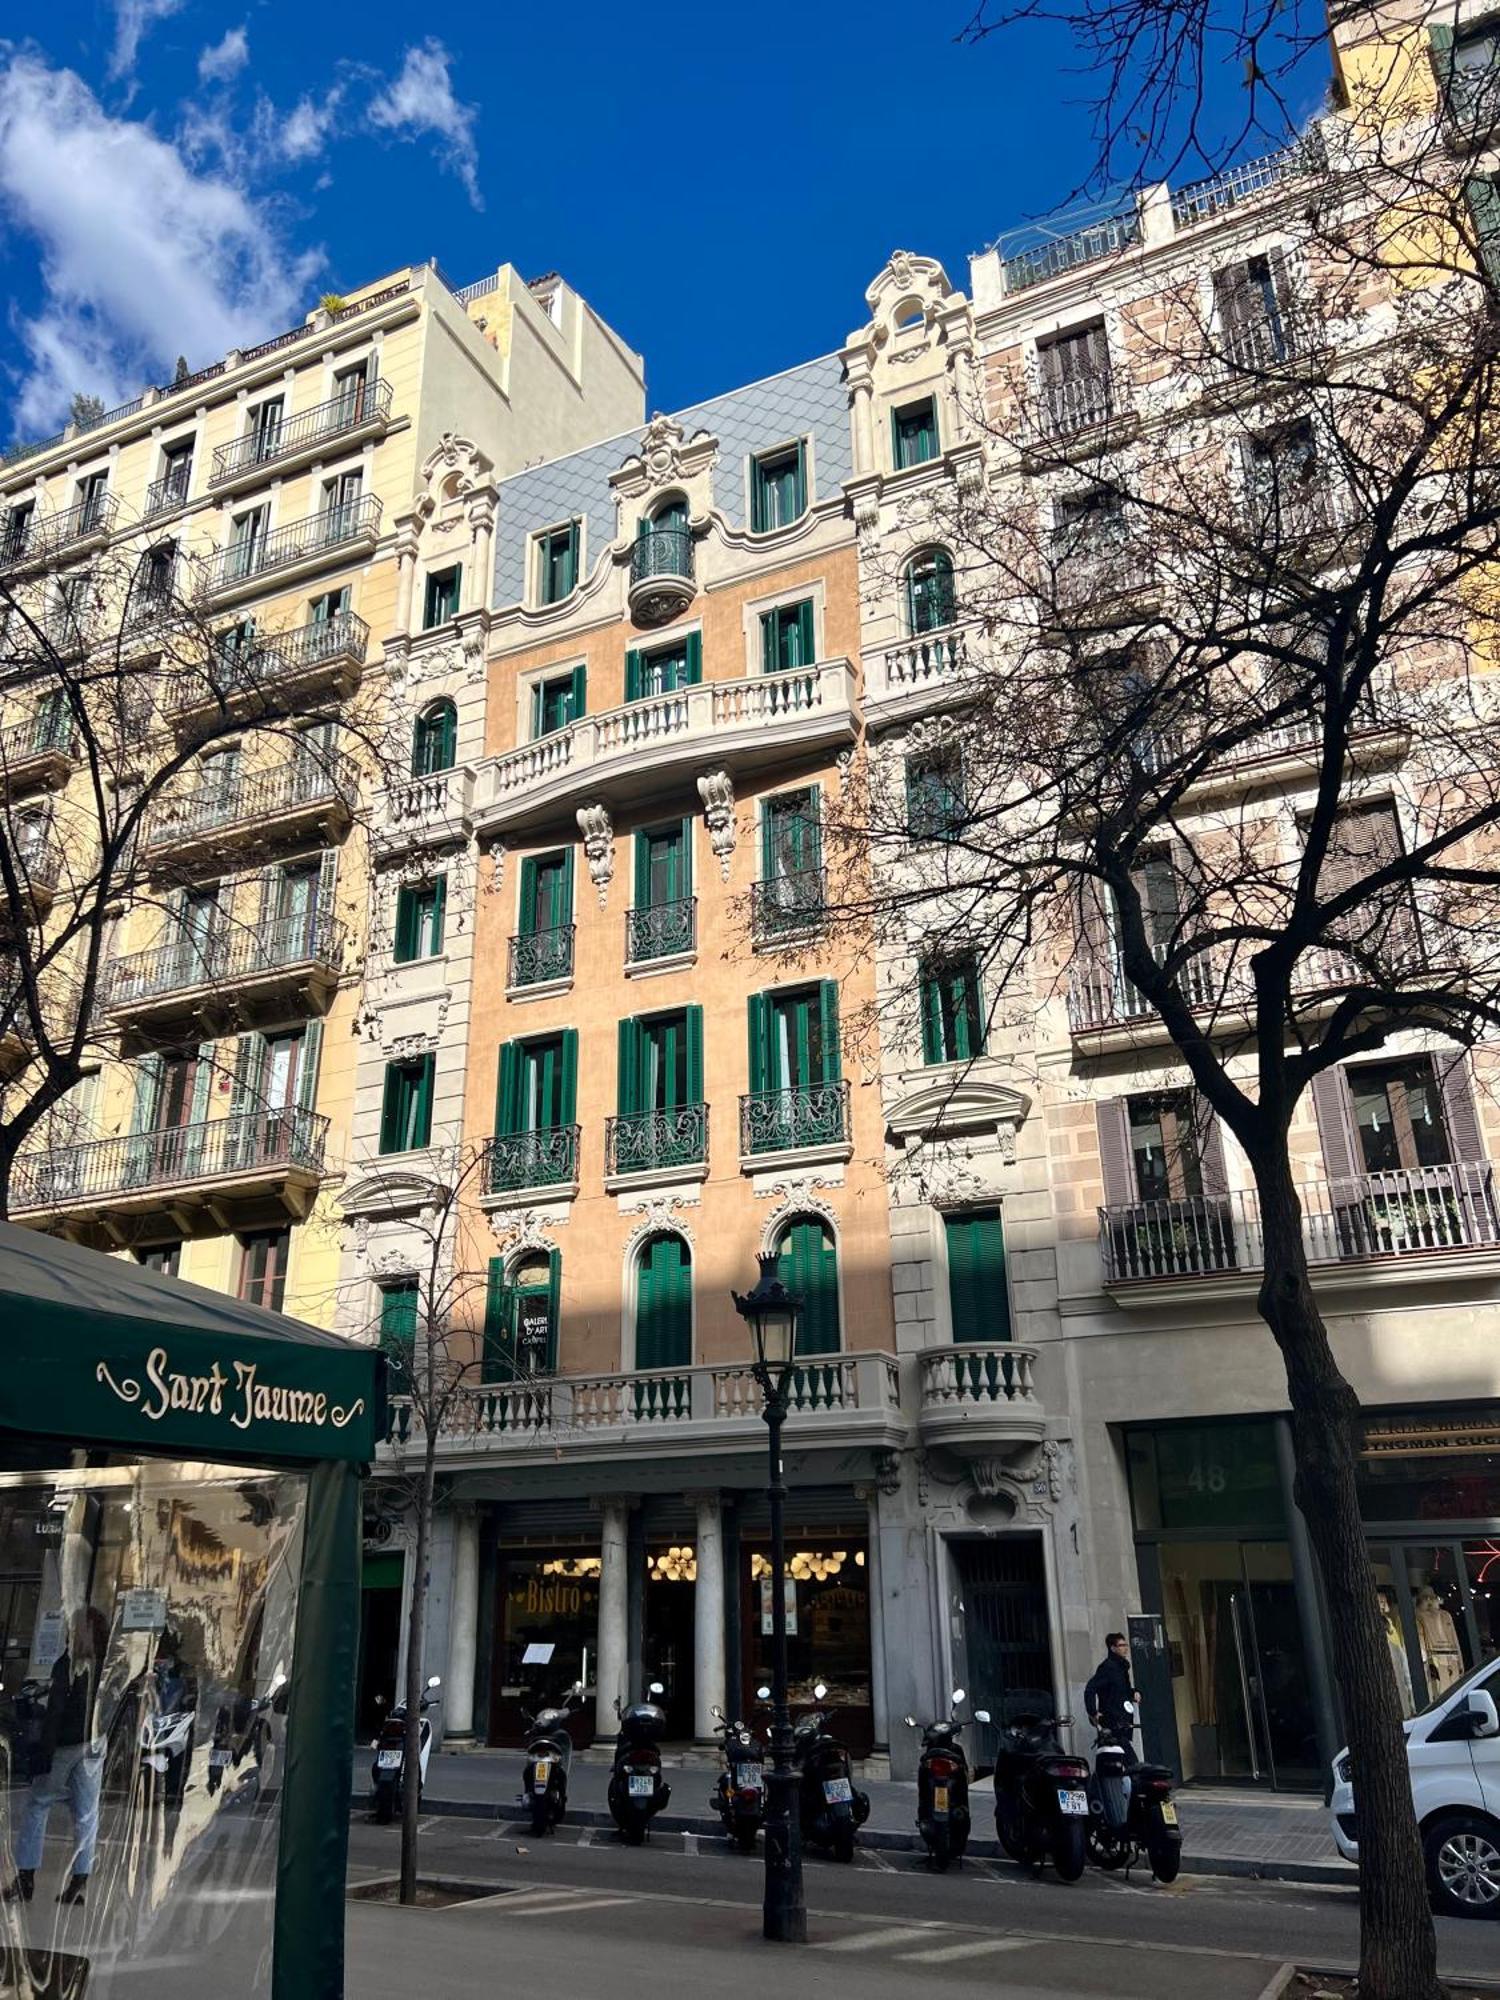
(1453, 1749)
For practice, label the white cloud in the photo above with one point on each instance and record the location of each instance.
(300, 134)
(222, 60)
(141, 256)
(421, 100)
(132, 19)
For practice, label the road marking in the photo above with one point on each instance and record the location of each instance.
(690, 1843)
(557, 1909)
(978, 1949)
(426, 1825)
(873, 1940)
(879, 1861)
(585, 1836)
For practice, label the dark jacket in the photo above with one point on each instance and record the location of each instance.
(1109, 1692)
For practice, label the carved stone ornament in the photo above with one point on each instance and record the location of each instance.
(661, 450)
(888, 1471)
(518, 1234)
(657, 1218)
(933, 732)
(659, 1207)
(451, 471)
(598, 832)
(796, 1195)
(496, 853)
(1029, 1478)
(716, 789)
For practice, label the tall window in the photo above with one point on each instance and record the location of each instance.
(435, 740)
(246, 540)
(164, 1258)
(778, 488)
(664, 1304)
(92, 489)
(929, 591)
(952, 1013)
(786, 637)
(263, 1261)
(400, 1302)
(807, 1264)
(440, 602)
(557, 701)
(664, 667)
(351, 392)
(406, 1111)
(265, 427)
(1398, 1115)
(420, 908)
(20, 519)
(1252, 297)
(521, 1318)
(794, 1037)
(936, 804)
(328, 605)
(661, 1062)
(978, 1297)
(176, 473)
(914, 434)
(663, 865)
(341, 496)
(557, 563)
(1166, 1146)
(790, 896)
(546, 892)
(1075, 378)
(538, 1084)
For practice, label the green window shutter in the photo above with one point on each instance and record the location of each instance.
(390, 1109)
(828, 1022)
(565, 888)
(508, 1090)
(806, 649)
(568, 1107)
(1483, 196)
(632, 675)
(692, 671)
(933, 1050)
(406, 925)
(578, 692)
(767, 841)
(694, 1028)
(768, 659)
(664, 1304)
(538, 710)
(203, 1077)
(642, 869)
(812, 828)
(307, 1073)
(422, 1121)
(1440, 43)
(971, 1009)
(439, 913)
(528, 896)
(328, 875)
(977, 1297)
(628, 1076)
(757, 498)
(498, 1357)
(808, 1265)
(147, 1093)
(554, 1304)
(801, 506)
(759, 1008)
(685, 862)
(249, 1065)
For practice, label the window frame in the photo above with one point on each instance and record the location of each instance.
(421, 917)
(442, 587)
(951, 999)
(406, 1103)
(571, 533)
(763, 466)
(901, 431)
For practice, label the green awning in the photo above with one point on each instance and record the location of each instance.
(101, 1350)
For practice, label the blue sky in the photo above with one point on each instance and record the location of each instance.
(179, 176)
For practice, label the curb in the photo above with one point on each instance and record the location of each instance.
(890, 1840)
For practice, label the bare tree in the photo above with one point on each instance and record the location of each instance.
(1215, 749)
(120, 678)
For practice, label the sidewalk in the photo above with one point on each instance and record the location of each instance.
(1224, 1832)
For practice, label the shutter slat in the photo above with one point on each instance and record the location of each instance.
(568, 1109)
(1117, 1166)
(1330, 1095)
(1460, 1108)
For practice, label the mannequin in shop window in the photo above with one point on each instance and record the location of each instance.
(1400, 1666)
(1442, 1658)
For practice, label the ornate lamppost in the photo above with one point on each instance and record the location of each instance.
(773, 1313)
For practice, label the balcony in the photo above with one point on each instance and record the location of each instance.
(15, 1021)
(521, 1163)
(541, 960)
(662, 933)
(1053, 254)
(283, 671)
(1101, 996)
(807, 1118)
(237, 972)
(306, 797)
(267, 1161)
(37, 861)
(350, 418)
(930, 670)
(661, 575)
(167, 494)
(1416, 1223)
(431, 811)
(626, 754)
(338, 534)
(837, 1403)
(980, 1400)
(659, 1145)
(40, 755)
(788, 908)
(87, 524)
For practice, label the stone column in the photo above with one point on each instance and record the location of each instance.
(613, 1636)
(708, 1618)
(879, 1700)
(463, 1626)
(406, 576)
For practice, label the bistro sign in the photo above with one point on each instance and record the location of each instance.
(241, 1396)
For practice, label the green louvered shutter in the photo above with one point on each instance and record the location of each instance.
(808, 1266)
(628, 1081)
(390, 1109)
(1483, 196)
(759, 1013)
(632, 675)
(828, 1025)
(398, 1332)
(664, 1305)
(554, 1306)
(568, 1106)
(508, 1090)
(147, 1093)
(578, 694)
(529, 925)
(307, 1073)
(408, 907)
(768, 659)
(801, 477)
(439, 912)
(1440, 43)
(538, 710)
(693, 1017)
(978, 1301)
(498, 1354)
(692, 670)
(933, 1050)
(806, 650)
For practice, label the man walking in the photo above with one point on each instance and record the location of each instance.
(1110, 1699)
(72, 1762)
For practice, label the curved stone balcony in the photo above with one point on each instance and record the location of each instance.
(661, 575)
(979, 1400)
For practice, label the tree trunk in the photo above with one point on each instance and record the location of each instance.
(1398, 1945)
(416, 1627)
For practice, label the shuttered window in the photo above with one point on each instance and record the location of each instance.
(557, 563)
(952, 1013)
(929, 591)
(794, 1037)
(546, 892)
(420, 908)
(558, 701)
(398, 1330)
(537, 1084)
(786, 637)
(435, 740)
(936, 808)
(664, 668)
(778, 489)
(978, 1300)
(914, 435)
(664, 1304)
(440, 602)
(807, 1264)
(663, 865)
(263, 1261)
(406, 1112)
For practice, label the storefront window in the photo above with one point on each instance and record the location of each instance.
(1204, 1476)
(1439, 1470)
(547, 1601)
(828, 1629)
(1482, 1565)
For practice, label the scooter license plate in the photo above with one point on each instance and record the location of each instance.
(1169, 1814)
(157, 1760)
(747, 1778)
(642, 1786)
(940, 1798)
(217, 1759)
(541, 1774)
(838, 1791)
(388, 1760)
(1074, 1804)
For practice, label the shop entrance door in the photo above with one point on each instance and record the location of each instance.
(667, 1638)
(1006, 1650)
(379, 1641)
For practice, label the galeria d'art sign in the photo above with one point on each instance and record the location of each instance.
(242, 1398)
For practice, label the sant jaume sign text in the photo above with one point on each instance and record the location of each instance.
(242, 1397)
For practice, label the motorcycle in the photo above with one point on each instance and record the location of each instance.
(637, 1790)
(1041, 1795)
(241, 1729)
(739, 1797)
(833, 1809)
(549, 1759)
(943, 1786)
(389, 1766)
(1131, 1811)
(167, 1735)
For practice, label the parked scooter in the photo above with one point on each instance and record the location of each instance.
(240, 1731)
(943, 1785)
(549, 1759)
(1131, 1811)
(389, 1767)
(1041, 1796)
(739, 1797)
(167, 1733)
(637, 1790)
(833, 1809)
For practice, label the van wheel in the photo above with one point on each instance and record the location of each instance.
(1463, 1865)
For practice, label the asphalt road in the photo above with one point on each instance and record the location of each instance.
(579, 1914)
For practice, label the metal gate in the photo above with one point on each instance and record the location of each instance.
(1002, 1585)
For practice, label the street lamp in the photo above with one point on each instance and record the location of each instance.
(773, 1313)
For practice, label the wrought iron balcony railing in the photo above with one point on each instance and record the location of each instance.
(662, 552)
(49, 734)
(516, 1160)
(787, 905)
(170, 491)
(1367, 1217)
(649, 1140)
(255, 555)
(227, 955)
(1053, 255)
(1080, 403)
(785, 1121)
(661, 930)
(539, 956)
(93, 515)
(37, 860)
(264, 795)
(1101, 995)
(243, 1145)
(364, 404)
(244, 672)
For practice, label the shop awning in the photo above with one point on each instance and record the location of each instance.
(96, 1348)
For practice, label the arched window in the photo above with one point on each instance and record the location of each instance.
(671, 514)
(664, 1304)
(808, 1264)
(434, 743)
(929, 591)
(520, 1317)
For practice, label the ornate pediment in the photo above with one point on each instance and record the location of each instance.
(945, 1104)
(668, 457)
(390, 1194)
(453, 472)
